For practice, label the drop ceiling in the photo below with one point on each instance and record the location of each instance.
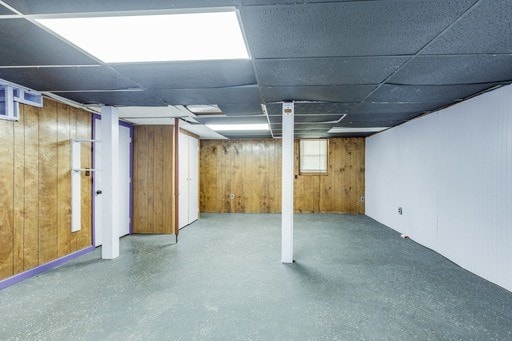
(354, 64)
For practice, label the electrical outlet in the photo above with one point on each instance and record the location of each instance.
(231, 196)
(400, 210)
(362, 198)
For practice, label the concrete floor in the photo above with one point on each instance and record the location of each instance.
(354, 279)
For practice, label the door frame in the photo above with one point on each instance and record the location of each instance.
(130, 190)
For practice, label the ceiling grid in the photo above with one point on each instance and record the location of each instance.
(354, 64)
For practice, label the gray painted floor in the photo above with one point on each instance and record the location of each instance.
(354, 279)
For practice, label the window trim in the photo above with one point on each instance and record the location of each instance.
(326, 172)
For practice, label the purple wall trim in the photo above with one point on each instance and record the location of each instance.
(42, 268)
(125, 124)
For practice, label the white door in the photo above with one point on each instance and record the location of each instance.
(97, 198)
(183, 180)
(193, 182)
(188, 179)
(124, 183)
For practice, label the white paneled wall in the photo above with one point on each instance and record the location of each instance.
(451, 172)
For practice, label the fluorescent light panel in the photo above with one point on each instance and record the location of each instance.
(205, 109)
(356, 130)
(238, 127)
(152, 38)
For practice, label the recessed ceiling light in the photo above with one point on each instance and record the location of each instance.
(205, 109)
(151, 38)
(238, 127)
(356, 130)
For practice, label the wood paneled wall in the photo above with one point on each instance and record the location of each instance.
(35, 186)
(343, 186)
(153, 176)
(251, 170)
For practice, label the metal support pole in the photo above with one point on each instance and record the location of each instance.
(287, 184)
(110, 165)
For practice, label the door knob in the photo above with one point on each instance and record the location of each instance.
(98, 192)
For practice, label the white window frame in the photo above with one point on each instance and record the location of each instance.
(11, 95)
(322, 166)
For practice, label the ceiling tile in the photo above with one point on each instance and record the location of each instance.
(426, 93)
(485, 29)
(326, 71)
(190, 75)
(306, 127)
(358, 28)
(313, 108)
(458, 69)
(66, 78)
(308, 118)
(340, 93)
(233, 120)
(73, 6)
(347, 135)
(233, 95)
(298, 129)
(394, 108)
(115, 98)
(241, 109)
(375, 120)
(23, 43)
(5, 11)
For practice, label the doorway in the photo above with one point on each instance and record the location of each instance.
(125, 182)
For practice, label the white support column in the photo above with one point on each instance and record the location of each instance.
(110, 171)
(287, 184)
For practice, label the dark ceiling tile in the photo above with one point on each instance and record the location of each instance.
(313, 108)
(340, 93)
(299, 119)
(5, 11)
(233, 95)
(458, 69)
(279, 131)
(306, 127)
(374, 120)
(115, 98)
(66, 78)
(326, 71)
(23, 43)
(485, 29)
(190, 75)
(358, 28)
(233, 120)
(426, 93)
(361, 134)
(394, 108)
(73, 6)
(241, 109)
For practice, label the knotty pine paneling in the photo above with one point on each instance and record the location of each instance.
(83, 131)
(153, 176)
(6, 198)
(35, 186)
(30, 119)
(48, 201)
(251, 170)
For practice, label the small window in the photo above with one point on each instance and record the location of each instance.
(313, 156)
